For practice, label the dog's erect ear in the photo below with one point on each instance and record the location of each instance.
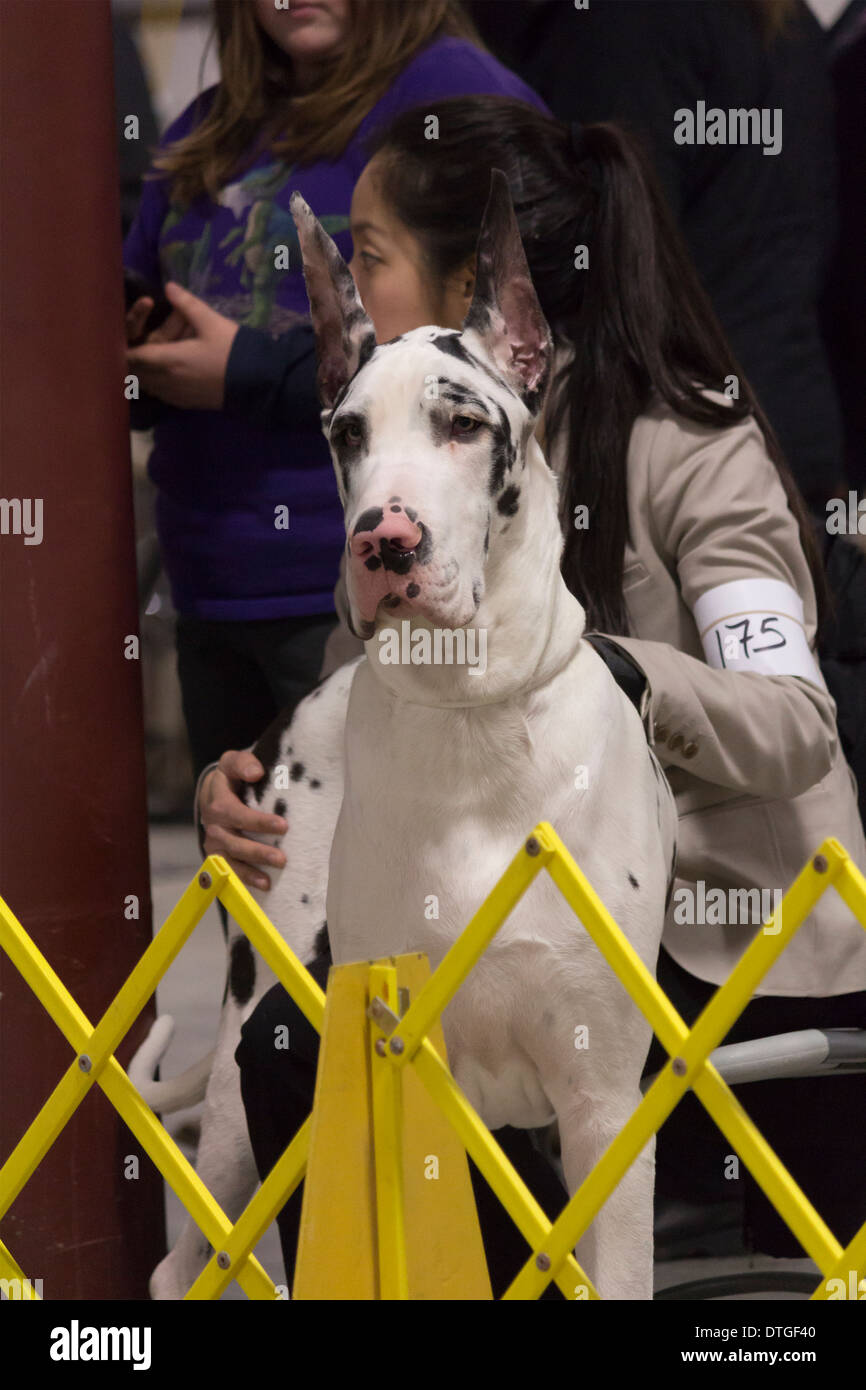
(505, 312)
(345, 336)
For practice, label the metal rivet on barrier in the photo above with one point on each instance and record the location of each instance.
(679, 1066)
(819, 864)
(380, 1047)
(397, 1045)
(84, 1062)
(224, 1260)
(204, 880)
(543, 1261)
(533, 846)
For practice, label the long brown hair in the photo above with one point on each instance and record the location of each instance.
(255, 106)
(638, 319)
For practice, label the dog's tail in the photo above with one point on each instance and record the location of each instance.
(180, 1091)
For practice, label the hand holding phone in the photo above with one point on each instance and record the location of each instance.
(146, 308)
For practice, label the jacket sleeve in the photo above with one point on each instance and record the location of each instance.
(141, 244)
(140, 252)
(719, 513)
(273, 381)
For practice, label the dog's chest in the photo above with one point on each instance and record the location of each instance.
(437, 803)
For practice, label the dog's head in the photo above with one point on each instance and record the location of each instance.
(428, 432)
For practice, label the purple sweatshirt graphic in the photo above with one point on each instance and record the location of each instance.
(221, 476)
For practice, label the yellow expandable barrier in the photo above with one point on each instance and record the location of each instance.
(372, 1226)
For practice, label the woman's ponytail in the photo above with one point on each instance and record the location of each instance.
(645, 331)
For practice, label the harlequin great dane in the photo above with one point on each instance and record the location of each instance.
(409, 781)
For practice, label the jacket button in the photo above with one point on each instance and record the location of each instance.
(676, 741)
(661, 733)
(690, 750)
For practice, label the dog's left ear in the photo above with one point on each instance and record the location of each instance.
(345, 336)
(505, 312)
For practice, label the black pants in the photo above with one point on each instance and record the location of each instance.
(236, 677)
(816, 1125)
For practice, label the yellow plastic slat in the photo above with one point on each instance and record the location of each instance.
(9, 1270)
(387, 1104)
(393, 1120)
(492, 1163)
(262, 1209)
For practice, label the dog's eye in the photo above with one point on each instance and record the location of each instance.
(348, 434)
(462, 425)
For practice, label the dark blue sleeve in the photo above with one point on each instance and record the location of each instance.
(141, 245)
(141, 253)
(273, 381)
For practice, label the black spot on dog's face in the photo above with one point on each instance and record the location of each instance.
(305, 897)
(504, 452)
(508, 503)
(412, 590)
(296, 771)
(633, 881)
(450, 344)
(279, 807)
(242, 971)
(315, 783)
(412, 514)
(368, 520)
(374, 563)
(393, 499)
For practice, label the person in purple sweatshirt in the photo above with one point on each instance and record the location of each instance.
(248, 516)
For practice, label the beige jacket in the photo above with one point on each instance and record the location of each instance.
(753, 758)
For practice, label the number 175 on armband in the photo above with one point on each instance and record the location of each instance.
(756, 625)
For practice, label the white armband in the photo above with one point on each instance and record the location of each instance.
(756, 625)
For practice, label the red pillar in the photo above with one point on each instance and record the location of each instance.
(73, 820)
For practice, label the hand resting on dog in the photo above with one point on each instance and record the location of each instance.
(227, 821)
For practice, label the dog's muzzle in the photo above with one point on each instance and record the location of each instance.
(385, 546)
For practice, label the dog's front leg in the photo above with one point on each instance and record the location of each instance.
(224, 1163)
(617, 1250)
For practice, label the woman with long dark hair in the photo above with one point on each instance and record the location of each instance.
(247, 513)
(687, 543)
